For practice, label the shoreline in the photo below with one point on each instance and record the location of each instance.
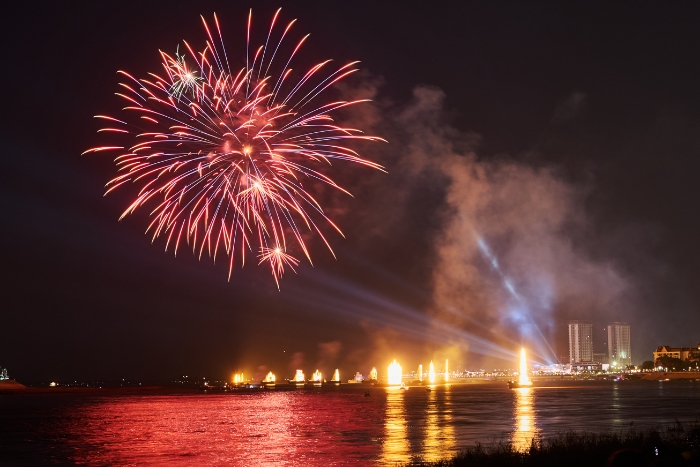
(10, 387)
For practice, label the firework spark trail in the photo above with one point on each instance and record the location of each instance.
(228, 161)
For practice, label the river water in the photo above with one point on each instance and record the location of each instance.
(328, 426)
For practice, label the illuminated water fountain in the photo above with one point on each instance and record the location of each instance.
(336, 377)
(357, 379)
(317, 378)
(394, 374)
(523, 379)
(269, 380)
(299, 378)
(431, 373)
(420, 372)
(238, 379)
(447, 372)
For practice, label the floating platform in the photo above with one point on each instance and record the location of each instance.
(516, 385)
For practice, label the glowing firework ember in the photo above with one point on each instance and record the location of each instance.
(228, 160)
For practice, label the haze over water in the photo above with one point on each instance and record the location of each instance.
(322, 426)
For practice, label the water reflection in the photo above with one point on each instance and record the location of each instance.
(525, 420)
(338, 426)
(616, 405)
(439, 436)
(395, 447)
(418, 425)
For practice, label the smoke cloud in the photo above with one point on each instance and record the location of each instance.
(328, 354)
(296, 362)
(507, 245)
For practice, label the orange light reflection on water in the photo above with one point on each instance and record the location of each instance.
(427, 438)
(525, 426)
(395, 447)
(439, 437)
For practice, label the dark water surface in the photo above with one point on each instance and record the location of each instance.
(332, 426)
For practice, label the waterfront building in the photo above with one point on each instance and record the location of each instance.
(600, 358)
(691, 354)
(580, 342)
(619, 349)
(3, 374)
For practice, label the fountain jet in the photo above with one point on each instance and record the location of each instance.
(299, 378)
(523, 379)
(394, 374)
(269, 381)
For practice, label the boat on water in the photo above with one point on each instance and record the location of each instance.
(516, 384)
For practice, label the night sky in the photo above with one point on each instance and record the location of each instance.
(564, 137)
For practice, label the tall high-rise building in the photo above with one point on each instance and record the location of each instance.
(619, 350)
(580, 342)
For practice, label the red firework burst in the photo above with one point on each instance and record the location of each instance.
(228, 160)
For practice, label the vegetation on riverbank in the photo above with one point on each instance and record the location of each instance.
(676, 445)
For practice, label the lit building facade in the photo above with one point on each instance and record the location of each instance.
(600, 358)
(619, 349)
(691, 354)
(580, 342)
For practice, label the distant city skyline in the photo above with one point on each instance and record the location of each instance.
(580, 342)
(582, 346)
(619, 349)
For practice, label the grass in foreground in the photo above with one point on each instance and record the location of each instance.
(676, 445)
